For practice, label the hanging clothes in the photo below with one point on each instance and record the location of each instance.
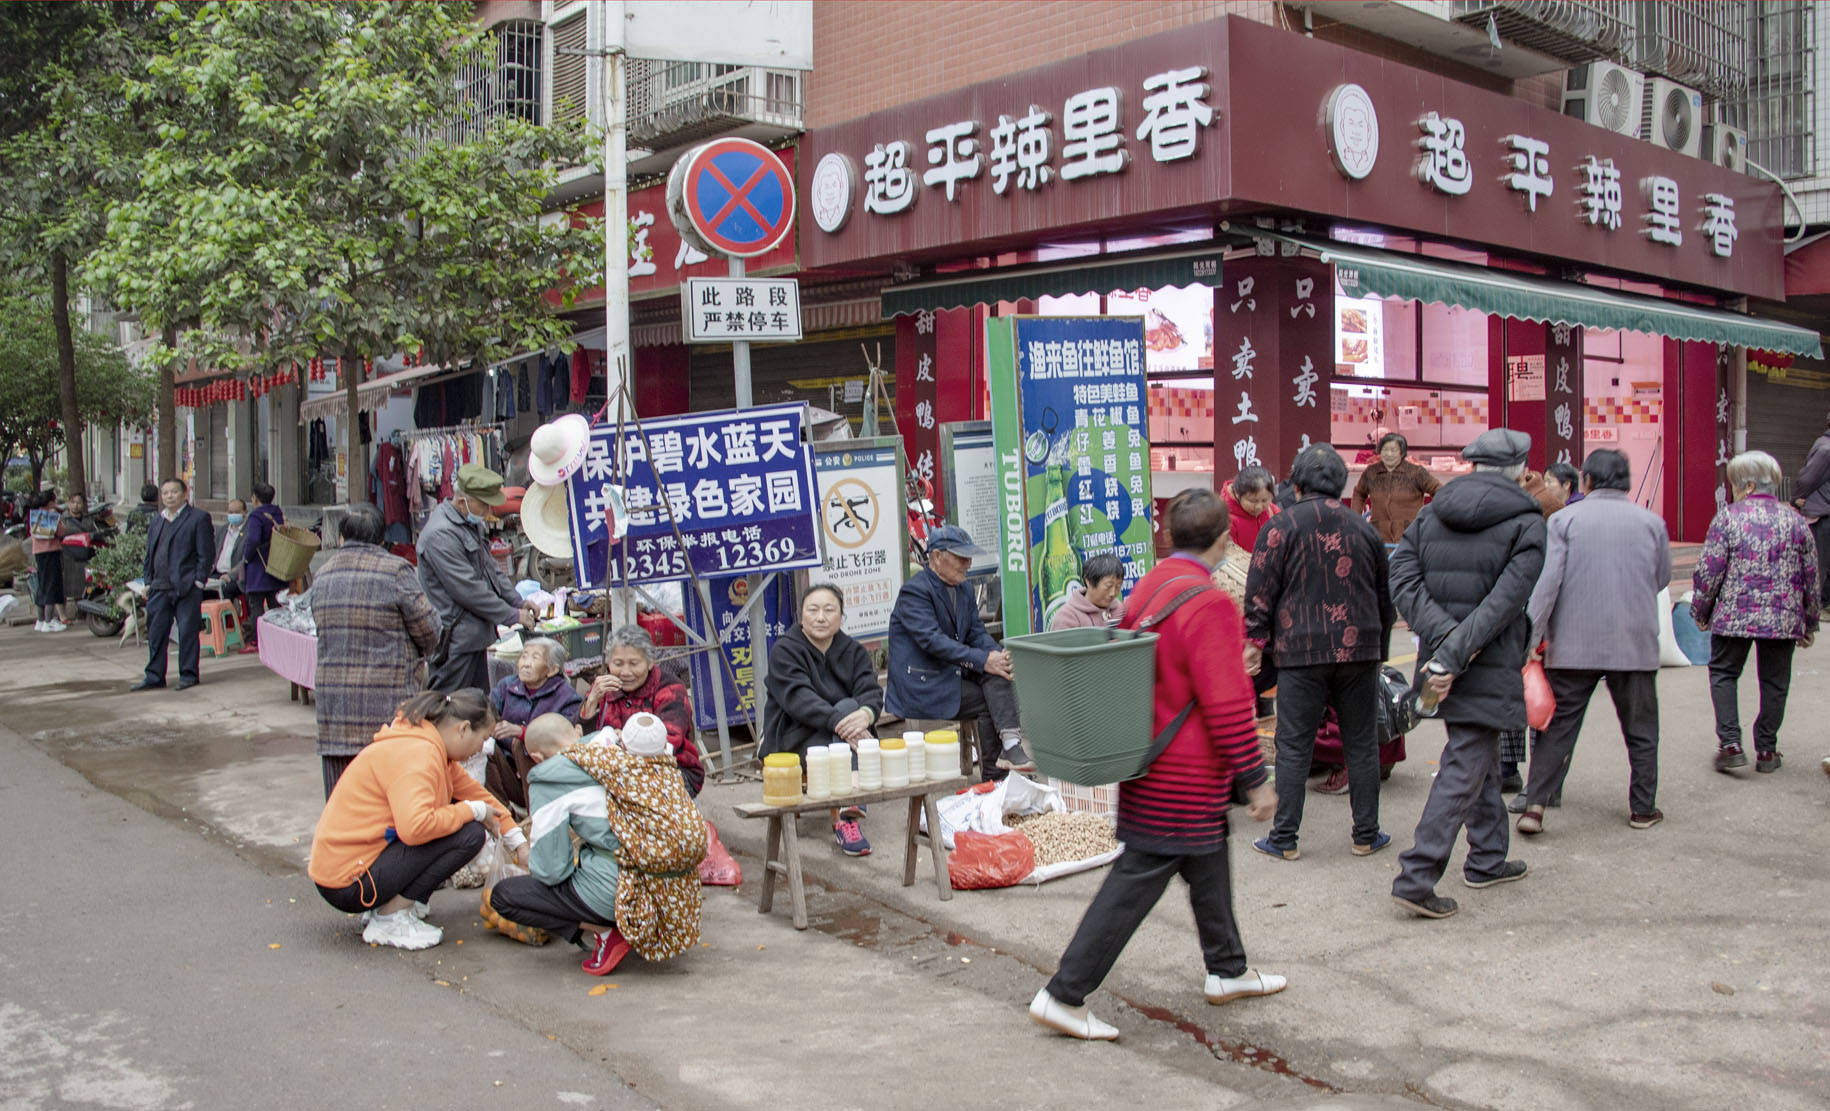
(390, 481)
(581, 375)
(550, 380)
(505, 395)
(524, 387)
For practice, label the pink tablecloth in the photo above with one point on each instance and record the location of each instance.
(290, 654)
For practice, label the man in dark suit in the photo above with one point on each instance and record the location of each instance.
(180, 548)
(943, 662)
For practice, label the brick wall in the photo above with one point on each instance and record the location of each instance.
(872, 54)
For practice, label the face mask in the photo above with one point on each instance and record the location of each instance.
(474, 518)
(235, 518)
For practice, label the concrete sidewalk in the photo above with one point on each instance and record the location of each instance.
(1675, 967)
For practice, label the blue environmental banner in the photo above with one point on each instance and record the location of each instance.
(738, 486)
(1086, 451)
(728, 597)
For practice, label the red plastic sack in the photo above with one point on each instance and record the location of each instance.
(719, 868)
(1540, 704)
(982, 860)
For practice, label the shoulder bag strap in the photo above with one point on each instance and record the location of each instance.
(1175, 726)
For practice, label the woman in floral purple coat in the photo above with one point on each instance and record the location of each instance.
(1756, 585)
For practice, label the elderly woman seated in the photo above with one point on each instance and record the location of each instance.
(539, 686)
(632, 684)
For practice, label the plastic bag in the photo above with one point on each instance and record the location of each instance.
(1540, 704)
(719, 868)
(502, 864)
(1669, 653)
(981, 809)
(982, 860)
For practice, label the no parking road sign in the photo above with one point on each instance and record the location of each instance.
(732, 196)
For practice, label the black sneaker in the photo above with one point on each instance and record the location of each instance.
(1015, 758)
(1730, 756)
(1509, 871)
(1766, 761)
(1430, 906)
(1646, 821)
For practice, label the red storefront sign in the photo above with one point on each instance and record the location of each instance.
(1273, 353)
(659, 260)
(1232, 117)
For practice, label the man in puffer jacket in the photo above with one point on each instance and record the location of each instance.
(1461, 577)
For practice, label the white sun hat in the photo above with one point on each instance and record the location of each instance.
(558, 449)
(547, 521)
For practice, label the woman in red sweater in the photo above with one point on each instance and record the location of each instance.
(1172, 820)
(631, 685)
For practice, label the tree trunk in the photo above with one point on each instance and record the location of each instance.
(350, 366)
(75, 465)
(168, 411)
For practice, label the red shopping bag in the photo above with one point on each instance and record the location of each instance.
(719, 868)
(981, 860)
(1540, 704)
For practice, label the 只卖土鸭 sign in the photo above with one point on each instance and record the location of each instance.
(864, 529)
(719, 310)
(1068, 422)
(737, 487)
(732, 196)
(728, 598)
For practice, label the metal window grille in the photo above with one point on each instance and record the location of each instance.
(1779, 105)
(1699, 43)
(509, 89)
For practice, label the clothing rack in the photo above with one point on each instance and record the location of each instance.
(454, 429)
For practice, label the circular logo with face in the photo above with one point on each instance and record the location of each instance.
(829, 193)
(1353, 131)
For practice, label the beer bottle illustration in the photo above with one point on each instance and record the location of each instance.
(1058, 560)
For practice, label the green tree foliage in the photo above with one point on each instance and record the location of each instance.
(68, 148)
(107, 387)
(304, 195)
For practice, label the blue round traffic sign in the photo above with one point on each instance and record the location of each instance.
(734, 196)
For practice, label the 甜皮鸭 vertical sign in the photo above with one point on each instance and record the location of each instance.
(864, 529)
(1068, 422)
(725, 493)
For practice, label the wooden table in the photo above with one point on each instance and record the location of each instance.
(782, 846)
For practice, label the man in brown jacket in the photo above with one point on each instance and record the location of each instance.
(1394, 487)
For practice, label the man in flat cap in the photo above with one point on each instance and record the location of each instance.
(468, 592)
(1596, 610)
(1461, 577)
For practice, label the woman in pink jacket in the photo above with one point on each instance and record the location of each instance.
(1097, 604)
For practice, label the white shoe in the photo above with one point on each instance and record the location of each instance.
(418, 910)
(1225, 989)
(402, 931)
(55, 627)
(1075, 1022)
(38, 626)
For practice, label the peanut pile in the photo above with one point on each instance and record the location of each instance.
(1060, 837)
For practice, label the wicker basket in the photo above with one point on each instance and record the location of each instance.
(290, 554)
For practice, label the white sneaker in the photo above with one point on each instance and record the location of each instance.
(38, 626)
(402, 931)
(55, 627)
(418, 910)
(1225, 989)
(1075, 1022)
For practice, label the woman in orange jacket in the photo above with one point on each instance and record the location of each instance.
(404, 817)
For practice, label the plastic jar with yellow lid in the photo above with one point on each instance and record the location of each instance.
(943, 754)
(782, 779)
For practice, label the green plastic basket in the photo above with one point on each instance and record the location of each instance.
(1087, 698)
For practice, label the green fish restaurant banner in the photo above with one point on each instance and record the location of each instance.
(1068, 412)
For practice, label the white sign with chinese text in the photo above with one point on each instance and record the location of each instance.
(863, 530)
(1525, 373)
(719, 310)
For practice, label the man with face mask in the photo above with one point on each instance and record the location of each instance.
(469, 593)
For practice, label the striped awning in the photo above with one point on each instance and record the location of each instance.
(1367, 270)
(1093, 274)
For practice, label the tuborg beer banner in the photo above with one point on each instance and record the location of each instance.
(1069, 424)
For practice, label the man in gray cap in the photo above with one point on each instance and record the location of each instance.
(1596, 609)
(1461, 577)
(943, 662)
(468, 592)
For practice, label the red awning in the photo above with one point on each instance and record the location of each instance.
(1808, 266)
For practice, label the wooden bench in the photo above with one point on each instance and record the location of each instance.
(782, 846)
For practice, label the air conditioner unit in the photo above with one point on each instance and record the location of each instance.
(1726, 146)
(1605, 95)
(1672, 116)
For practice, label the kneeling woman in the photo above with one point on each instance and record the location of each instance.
(404, 817)
(822, 685)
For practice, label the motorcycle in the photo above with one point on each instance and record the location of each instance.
(105, 614)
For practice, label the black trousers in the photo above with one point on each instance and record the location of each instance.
(334, 767)
(1303, 696)
(164, 609)
(1131, 889)
(1635, 695)
(1464, 795)
(462, 670)
(259, 602)
(411, 871)
(1773, 664)
(992, 699)
(556, 909)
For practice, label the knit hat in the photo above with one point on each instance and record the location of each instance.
(645, 735)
